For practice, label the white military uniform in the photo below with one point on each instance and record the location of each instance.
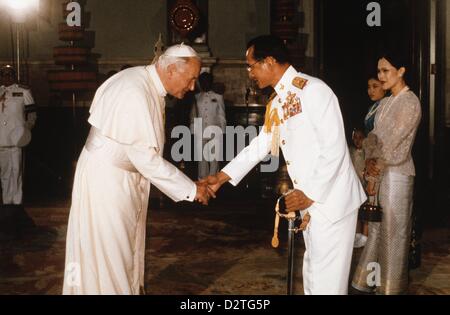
(318, 161)
(210, 107)
(122, 157)
(17, 118)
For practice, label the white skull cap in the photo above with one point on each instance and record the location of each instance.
(180, 50)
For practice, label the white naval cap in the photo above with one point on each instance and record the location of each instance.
(180, 50)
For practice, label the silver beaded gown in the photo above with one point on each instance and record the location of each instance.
(383, 265)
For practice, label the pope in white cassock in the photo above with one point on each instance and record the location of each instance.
(122, 157)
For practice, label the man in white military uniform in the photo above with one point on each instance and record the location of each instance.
(304, 119)
(210, 108)
(122, 157)
(17, 118)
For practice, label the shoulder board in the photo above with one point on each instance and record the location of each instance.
(299, 82)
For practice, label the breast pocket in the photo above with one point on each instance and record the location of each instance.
(296, 122)
(14, 107)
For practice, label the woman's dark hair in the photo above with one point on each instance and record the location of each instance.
(269, 46)
(396, 57)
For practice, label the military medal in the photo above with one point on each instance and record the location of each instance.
(292, 106)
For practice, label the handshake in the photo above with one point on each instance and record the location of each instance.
(207, 187)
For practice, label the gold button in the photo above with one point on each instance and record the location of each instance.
(288, 163)
(283, 142)
(295, 182)
(282, 121)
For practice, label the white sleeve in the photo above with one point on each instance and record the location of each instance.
(169, 179)
(329, 128)
(28, 98)
(247, 159)
(31, 118)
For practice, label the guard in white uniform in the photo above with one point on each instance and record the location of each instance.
(210, 108)
(304, 119)
(17, 118)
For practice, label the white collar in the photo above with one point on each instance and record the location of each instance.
(157, 80)
(284, 85)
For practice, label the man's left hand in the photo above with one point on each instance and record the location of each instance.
(305, 221)
(297, 200)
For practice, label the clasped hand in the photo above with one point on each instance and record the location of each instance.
(208, 186)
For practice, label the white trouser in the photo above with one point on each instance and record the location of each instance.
(328, 255)
(206, 168)
(208, 164)
(11, 175)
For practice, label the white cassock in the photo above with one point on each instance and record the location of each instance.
(17, 118)
(313, 141)
(122, 157)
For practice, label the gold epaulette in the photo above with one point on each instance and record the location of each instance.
(299, 82)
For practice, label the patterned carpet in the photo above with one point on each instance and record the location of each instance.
(221, 249)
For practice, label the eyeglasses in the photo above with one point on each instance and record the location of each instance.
(250, 67)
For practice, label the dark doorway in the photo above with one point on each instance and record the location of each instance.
(347, 53)
(348, 50)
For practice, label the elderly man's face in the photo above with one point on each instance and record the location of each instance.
(258, 70)
(183, 78)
